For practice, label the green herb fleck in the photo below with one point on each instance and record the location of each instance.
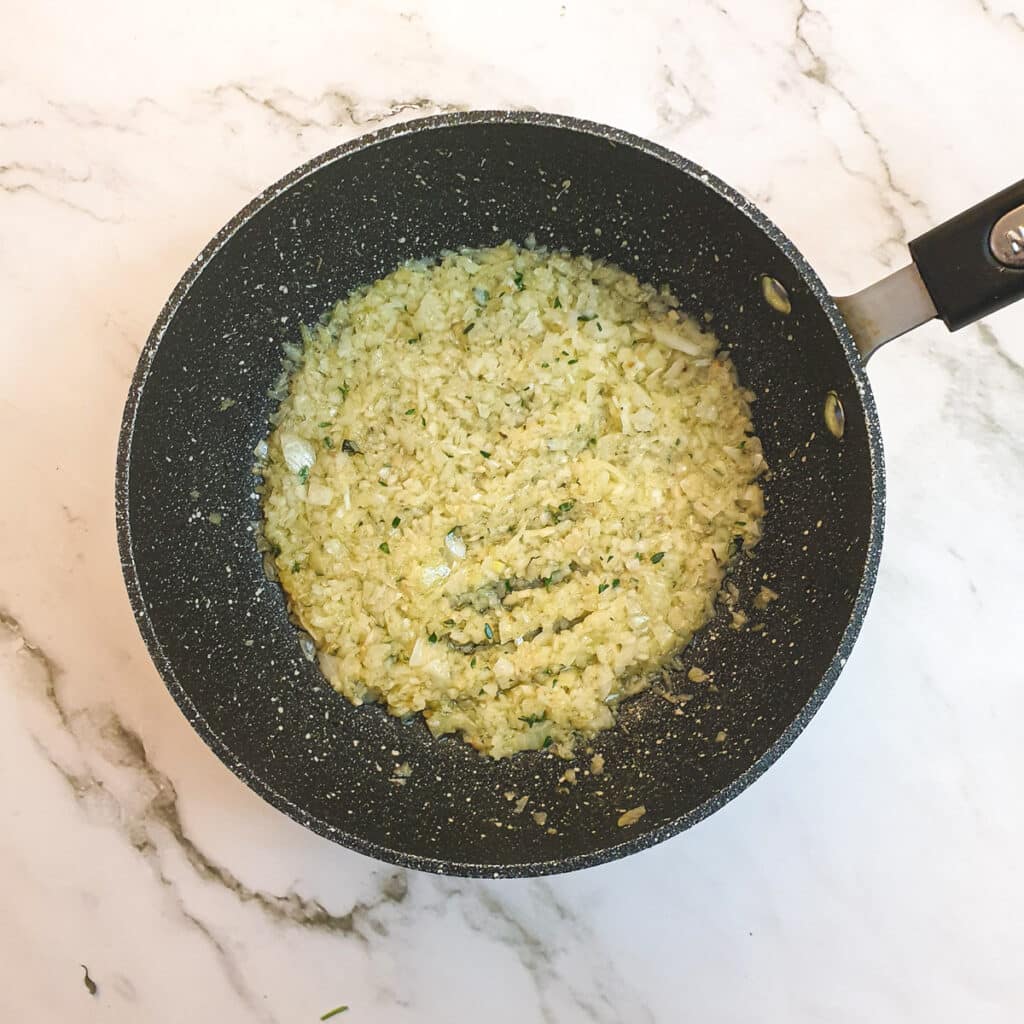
(544, 366)
(602, 587)
(328, 443)
(324, 423)
(488, 632)
(518, 279)
(548, 740)
(583, 318)
(566, 506)
(532, 719)
(410, 412)
(472, 662)
(558, 302)
(468, 328)
(296, 567)
(344, 389)
(432, 639)
(395, 522)
(572, 361)
(384, 547)
(615, 583)
(334, 1013)
(412, 341)
(657, 557)
(449, 623)
(423, 423)
(304, 474)
(599, 327)
(486, 455)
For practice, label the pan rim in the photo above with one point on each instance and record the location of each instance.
(531, 868)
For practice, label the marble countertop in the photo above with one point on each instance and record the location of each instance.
(872, 874)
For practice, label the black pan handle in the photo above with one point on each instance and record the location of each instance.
(974, 264)
(963, 270)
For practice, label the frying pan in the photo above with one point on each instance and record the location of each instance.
(187, 505)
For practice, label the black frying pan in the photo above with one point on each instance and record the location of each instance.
(218, 630)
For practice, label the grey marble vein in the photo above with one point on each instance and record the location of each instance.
(542, 937)
(819, 71)
(341, 107)
(1011, 18)
(100, 731)
(54, 175)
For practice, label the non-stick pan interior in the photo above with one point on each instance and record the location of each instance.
(218, 629)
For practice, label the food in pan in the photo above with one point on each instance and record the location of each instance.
(503, 488)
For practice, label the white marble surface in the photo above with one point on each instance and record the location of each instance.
(873, 874)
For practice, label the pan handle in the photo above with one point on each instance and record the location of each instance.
(963, 270)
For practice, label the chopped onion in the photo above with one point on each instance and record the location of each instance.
(455, 544)
(434, 573)
(298, 454)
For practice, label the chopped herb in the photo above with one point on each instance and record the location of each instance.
(328, 443)
(384, 547)
(599, 327)
(547, 582)
(90, 985)
(518, 279)
(350, 447)
(657, 557)
(304, 474)
(410, 412)
(548, 740)
(586, 319)
(472, 662)
(602, 587)
(432, 639)
(558, 302)
(423, 422)
(395, 522)
(740, 522)
(324, 423)
(296, 567)
(615, 583)
(486, 455)
(571, 361)
(449, 622)
(488, 632)
(566, 506)
(544, 366)
(344, 389)
(532, 719)
(468, 328)
(334, 1012)
(508, 586)
(412, 341)
(592, 442)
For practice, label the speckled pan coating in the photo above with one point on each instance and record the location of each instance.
(218, 631)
